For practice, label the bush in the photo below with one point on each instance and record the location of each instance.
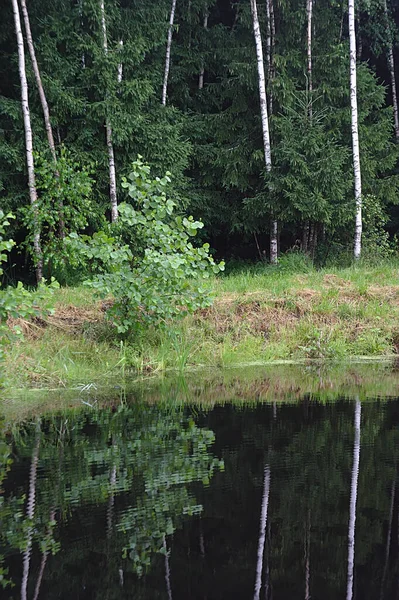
(147, 260)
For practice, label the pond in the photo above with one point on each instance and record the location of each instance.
(227, 494)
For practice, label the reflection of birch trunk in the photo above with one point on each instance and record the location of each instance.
(111, 501)
(30, 513)
(262, 532)
(202, 541)
(44, 557)
(353, 499)
(307, 558)
(168, 50)
(167, 570)
(389, 535)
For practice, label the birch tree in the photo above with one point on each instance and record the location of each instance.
(202, 72)
(108, 129)
(168, 50)
(28, 143)
(44, 103)
(264, 118)
(355, 132)
(353, 500)
(391, 65)
(309, 11)
(262, 532)
(36, 70)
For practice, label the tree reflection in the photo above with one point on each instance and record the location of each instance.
(136, 463)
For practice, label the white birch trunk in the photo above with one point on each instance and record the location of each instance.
(81, 24)
(355, 132)
(264, 118)
(309, 11)
(120, 66)
(353, 499)
(202, 72)
(36, 70)
(270, 40)
(108, 128)
(45, 108)
(391, 64)
(262, 532)
(28, 142)
(168, 49)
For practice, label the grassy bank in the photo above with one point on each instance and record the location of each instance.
(259, 315)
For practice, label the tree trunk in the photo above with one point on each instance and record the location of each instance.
(391, 64)
(270, 41)
(264, 119)
(28, 143)
(120, 66)
(355, 132)
(309, 11)
(168, 49)
(45, 108)
(202, 72)
(262, 532)
(42, 95)
(30, 510)
(353, 499)
(108, 128)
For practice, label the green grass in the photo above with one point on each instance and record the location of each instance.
(260, 314)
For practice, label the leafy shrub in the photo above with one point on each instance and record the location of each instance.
(147, 260)
(18, 302)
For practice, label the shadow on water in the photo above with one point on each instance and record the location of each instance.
(260, 483)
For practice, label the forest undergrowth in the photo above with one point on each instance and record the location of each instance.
(260, 314)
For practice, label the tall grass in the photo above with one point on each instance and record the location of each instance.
(260, 314)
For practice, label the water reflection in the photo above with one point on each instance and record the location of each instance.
(155, 501)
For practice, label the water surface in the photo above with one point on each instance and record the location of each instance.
(146, 498)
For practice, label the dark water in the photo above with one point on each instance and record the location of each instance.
(147, 501)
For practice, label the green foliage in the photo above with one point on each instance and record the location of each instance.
(158, 273)
(64, 206)
(376, 243)
(17, 302)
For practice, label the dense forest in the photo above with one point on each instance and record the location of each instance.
(259, 111)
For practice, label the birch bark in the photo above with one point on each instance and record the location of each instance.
(36, 70)
(391, 64)
(202, 72)
(108, 129)
(28, 143)
(309, 11)
(353, 499)
(355, 132)
(120, 66)
(168, 49)
(262, 532)
(264, 118)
